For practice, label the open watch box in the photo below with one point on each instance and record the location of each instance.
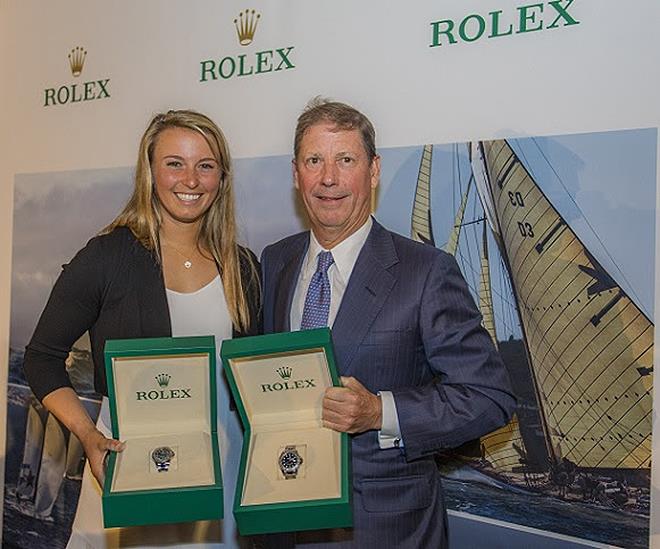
(162, 394)
(294, 473)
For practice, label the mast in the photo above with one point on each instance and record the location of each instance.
(482, 175)
(452, 244)
(485, 290)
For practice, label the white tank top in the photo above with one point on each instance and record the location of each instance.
(203, 312)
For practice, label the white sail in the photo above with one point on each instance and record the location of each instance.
(53, 467)
(421, 228)
(590, 346)
(34, 439)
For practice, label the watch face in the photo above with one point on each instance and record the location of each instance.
(162, 454)
(290, 461)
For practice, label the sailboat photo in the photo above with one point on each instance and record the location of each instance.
(581, 354)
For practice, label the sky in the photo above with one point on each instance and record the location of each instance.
(603, 184)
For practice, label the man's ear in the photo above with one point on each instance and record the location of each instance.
(375, 171)
(295, 174)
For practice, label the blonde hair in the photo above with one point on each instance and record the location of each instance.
(217, 231)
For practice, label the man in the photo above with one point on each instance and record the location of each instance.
(419, 372)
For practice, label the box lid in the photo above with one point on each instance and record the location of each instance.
(280, 378)
(161, 385)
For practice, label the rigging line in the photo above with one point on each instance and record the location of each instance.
(453, 186)
(456, 178)
(505, 312)
(465, 260)
(511, 310)
(458, 168)
(528, 164)
(479, 253)
(503, 299)
(586, 219)
(467, 269)
(474, 214)
(475, 277)
(507, 304)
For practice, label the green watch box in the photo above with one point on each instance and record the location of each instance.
(162, 395)
(294, 473)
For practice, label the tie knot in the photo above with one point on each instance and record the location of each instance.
(325, 259)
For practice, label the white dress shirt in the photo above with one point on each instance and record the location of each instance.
(345, 255)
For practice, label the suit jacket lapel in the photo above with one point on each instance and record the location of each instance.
(286, 282)
(370, 283)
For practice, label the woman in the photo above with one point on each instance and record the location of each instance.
(167, 265)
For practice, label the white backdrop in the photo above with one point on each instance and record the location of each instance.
(600, 74)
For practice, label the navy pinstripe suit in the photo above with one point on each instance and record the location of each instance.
(406, 324)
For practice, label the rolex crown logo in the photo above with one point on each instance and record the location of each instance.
(246, 25)
(163, 379)
(284, 372)
(77, 60)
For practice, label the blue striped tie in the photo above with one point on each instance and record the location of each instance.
(317, 302)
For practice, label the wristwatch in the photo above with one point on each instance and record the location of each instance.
(290, 461)
(162, 457)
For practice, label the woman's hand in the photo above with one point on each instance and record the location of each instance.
(96, 447)
(66, 406)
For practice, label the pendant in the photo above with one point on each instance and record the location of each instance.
(187, 264)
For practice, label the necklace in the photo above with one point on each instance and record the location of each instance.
(187, 263)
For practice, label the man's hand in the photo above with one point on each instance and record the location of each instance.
(96, 446)
(351, 408)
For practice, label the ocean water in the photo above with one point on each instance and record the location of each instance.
(580, 520)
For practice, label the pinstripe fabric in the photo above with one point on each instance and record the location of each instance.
(406, 324)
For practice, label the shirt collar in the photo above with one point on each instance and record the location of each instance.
(344, 254)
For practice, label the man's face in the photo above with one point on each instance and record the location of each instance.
(335, 179)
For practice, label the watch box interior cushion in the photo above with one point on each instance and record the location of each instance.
(192, 464)
(317, 478)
